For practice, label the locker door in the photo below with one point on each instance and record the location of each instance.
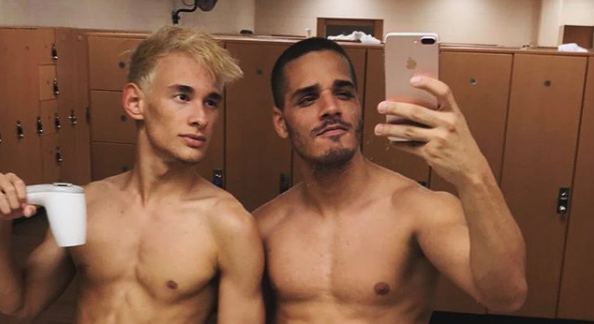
(73, 102)
(358, 57)
(109, 159)
(256, 157)
(109, 59)
(110, 121)
(51, 158)
(480, 83)
(19, 97)
(378, 149)
(544, 114)
(577, 285)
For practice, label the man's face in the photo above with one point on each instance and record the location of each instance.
(322, 110)
(181, 109)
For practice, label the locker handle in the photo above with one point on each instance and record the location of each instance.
(217, 177)
(285, 182)
(20, 130)
(57, 122)
(59, 158)
(56, 88)
(0, 136)
(72, 117)
(54, 53)
(563, 201)
(39, 126)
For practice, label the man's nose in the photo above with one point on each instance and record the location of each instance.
(329, 106)
(199, 117)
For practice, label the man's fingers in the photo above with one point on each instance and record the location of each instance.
(440, 90)
(412, 112)
(407, 132)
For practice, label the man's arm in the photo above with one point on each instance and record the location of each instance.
(476, 241)
(241, 262)
(24, 293)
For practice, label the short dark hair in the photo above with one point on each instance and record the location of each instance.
(295, 51)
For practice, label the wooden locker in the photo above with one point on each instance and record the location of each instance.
(49, 114)
(358, 58)
(51, 158)
(109, 60)
(378, 149)
(110, 121)
(19, 95)
(73, 103)
(48, 82)
(480, 83)
(577, 284)
(541, 139)
(257, 159)
(109, 159)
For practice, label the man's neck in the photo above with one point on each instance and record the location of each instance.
(153, 177)
(332, 190)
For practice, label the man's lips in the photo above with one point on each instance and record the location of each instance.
(332, 129)
(193, 140)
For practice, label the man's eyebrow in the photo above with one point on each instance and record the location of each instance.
(181, 88)
(215, 96)
(302, 91)
(344, 84)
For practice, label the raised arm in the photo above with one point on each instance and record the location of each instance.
(24, 293)
(474, 241)
(241, 262)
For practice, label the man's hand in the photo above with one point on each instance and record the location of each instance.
(13, 198)
(446, 144)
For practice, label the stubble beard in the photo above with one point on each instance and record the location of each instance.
(333, 160)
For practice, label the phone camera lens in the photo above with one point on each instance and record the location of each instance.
(427, 40)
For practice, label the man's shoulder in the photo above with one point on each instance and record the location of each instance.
(104, 188)
(276, 210)
(227, 216)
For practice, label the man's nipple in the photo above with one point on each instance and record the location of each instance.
(381, 288)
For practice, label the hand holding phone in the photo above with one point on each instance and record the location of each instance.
(407, 55)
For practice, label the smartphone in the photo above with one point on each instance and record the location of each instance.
(407, 55)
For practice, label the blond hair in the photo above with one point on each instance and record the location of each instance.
(221, 67)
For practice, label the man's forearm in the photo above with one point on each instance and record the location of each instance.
(11, 281)
(497, 251)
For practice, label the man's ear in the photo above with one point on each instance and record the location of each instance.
(278, 120)
(133, 101)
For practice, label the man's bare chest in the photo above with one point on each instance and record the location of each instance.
(160, 254)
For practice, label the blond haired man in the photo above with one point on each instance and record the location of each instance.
(163, 243)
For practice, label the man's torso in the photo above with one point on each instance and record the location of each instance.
(362, 266)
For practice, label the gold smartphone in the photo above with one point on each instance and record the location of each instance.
(407, 55)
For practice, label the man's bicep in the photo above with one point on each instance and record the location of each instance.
(445, 241)
(241, 264)
(49, 271)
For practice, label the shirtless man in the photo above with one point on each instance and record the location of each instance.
(357, 243)
(163, 243)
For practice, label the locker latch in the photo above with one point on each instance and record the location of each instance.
(54, 53)
(39, 126)
(56, 88)
(20, 130)
(217, 177)
(72, 117)
(57, 122)
(59, 158)
(285, 182)
(0, 137)
(562, 204)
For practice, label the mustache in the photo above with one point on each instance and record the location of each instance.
(329, 122)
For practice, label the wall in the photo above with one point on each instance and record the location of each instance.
(556, 13)
(504, 22)
(229, 16)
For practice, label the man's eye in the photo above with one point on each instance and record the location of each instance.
(183, 97)
(345, 95)
(306, 101)
(212, 103)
